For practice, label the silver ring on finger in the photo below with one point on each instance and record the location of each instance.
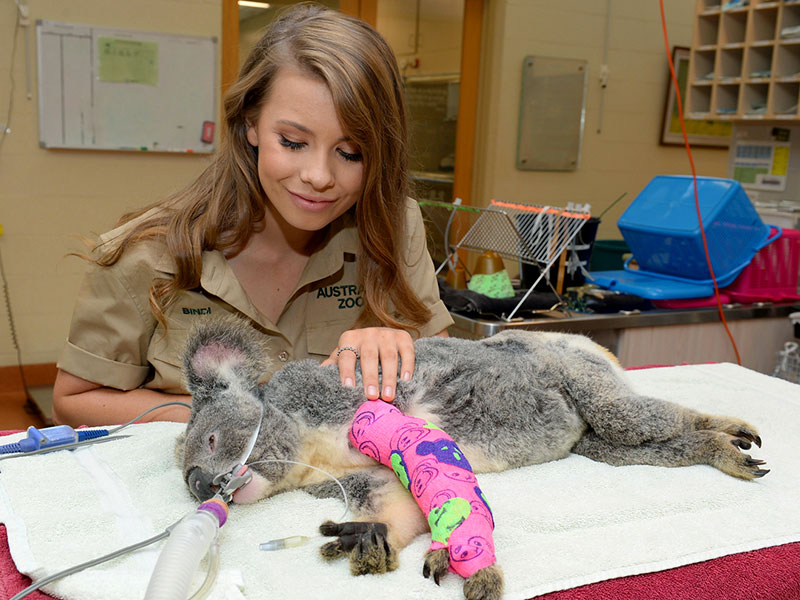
(353, 350)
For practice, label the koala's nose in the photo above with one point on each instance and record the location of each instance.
(201, 484)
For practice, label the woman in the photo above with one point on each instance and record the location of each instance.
(301, 224)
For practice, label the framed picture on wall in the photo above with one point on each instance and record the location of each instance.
(701, 132)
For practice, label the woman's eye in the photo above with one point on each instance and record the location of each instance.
(292, 145)
(350, 156)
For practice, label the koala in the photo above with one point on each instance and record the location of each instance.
(514, 399)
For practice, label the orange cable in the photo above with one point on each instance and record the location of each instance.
(694, 180)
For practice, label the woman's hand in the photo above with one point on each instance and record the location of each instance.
(374, 346)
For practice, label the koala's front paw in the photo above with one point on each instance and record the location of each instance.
(365, 543)
(485, 584)
(437, 563)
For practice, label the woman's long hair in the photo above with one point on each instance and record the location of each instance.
(221, 208)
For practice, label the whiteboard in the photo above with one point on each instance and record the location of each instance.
(118, 89)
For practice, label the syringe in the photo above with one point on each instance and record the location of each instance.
(293, 541)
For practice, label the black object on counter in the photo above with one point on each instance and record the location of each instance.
(599, 301)
(475, 303)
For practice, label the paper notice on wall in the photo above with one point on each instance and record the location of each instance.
(761, 165)
(127, 61)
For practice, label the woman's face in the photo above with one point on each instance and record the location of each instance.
(310, 170)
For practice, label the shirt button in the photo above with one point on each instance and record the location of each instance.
(283, 356)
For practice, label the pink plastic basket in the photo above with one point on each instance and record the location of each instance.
(772, 274)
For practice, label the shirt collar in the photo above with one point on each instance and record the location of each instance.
(340, 240)
(218, 278)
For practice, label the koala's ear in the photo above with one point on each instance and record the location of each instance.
(220, 351)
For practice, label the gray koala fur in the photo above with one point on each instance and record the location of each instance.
(517, 398)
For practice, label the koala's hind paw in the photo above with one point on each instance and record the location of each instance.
(486, 584)
(731, 460)
(437, 563)
(365, 543)
(749, 434)
(733, 427)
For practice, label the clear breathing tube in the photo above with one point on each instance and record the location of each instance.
(193, 537)
(189, 541)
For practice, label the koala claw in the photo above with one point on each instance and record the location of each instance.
(741, 443)
(748, 435)
(754, 462)
(734, 462)
(437, 563)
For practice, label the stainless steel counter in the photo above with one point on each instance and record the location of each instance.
(584, 323)
(665, 336)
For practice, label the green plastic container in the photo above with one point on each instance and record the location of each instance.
(607, 255)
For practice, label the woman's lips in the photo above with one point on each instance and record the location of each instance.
(311, 203)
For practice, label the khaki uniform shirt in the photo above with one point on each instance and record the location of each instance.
(115, 340)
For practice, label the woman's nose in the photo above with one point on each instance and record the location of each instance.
(317, 172)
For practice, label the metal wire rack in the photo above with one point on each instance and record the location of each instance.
(787, 363)
(533, 234)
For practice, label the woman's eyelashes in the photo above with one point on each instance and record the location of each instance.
(350, 156)
(293, 145)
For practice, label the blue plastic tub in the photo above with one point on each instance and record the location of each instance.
(662, 230)
(646, 286)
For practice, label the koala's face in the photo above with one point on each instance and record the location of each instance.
(222, 363)
(217, 435)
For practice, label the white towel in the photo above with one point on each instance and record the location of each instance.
(558, 525)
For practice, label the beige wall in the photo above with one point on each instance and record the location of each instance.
(251, 28)
(438, 47)
(47, 198)
(625, 155)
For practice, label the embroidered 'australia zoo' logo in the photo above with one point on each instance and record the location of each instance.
(347, 296)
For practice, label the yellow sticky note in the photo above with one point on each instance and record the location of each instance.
(780, 160)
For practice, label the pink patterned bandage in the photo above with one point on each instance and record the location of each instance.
(431, 466)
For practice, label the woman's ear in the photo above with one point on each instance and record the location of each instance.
(252, 134)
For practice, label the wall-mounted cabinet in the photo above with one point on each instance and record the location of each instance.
(745, 61)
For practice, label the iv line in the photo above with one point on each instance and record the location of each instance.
(294, 541)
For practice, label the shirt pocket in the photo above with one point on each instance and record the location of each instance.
(323, 337)
(166, 355)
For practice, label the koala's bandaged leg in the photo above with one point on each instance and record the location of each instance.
(433, 469)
